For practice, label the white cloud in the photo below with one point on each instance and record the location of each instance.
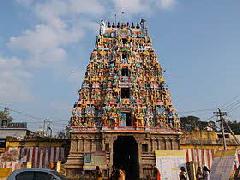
(166, 4)
(133, 6)
(64, 22)
(44, 44)
(144, 7)
(60, 25)
(48, 58)
(13, 81)
(68, 8)
(38, 40)
(93, 7)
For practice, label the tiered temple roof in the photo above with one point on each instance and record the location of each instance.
(124, 85)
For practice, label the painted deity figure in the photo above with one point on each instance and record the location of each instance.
(102, 27)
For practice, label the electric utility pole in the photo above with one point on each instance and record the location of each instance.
(46, 127)
(220, 116)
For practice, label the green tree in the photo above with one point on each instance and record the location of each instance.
(235, 126)
(190, 123)
(5, 117)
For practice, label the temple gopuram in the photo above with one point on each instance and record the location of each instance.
(124, 111)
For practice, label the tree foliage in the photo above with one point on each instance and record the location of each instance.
(190, 123)
(235, 126)
(5, 117)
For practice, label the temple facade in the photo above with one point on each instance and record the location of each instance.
(124, 111)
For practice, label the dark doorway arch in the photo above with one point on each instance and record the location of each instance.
(125, 155)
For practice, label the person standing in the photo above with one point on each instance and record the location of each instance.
(114, 174)
(98, 173)
(199, 174)
(122, 174)
(206, 173)
(183, 174)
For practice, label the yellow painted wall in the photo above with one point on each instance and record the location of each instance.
(200, 135)
(213, 146)
(33, 143)
(204, 140)
(4, 173)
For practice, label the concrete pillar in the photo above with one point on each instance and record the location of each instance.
(78, 142)
(90, 145)
(140, 158)
(94, 144)
(99, 142)
(74, 145)
(151, 145)
(162, 144)
(87, 145)
(155, 144)
(168, 144)
(83, 145)
(175, 144)
(158, 143)
(80, 145)
(171, 143)
(111, 144)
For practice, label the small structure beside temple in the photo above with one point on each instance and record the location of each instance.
(33, 152)
(124, 111)
(8, 128)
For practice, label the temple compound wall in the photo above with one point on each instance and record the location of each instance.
(147, 143)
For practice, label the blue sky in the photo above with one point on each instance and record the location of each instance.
(45, 47)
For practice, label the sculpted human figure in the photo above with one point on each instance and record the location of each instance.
(102, 27)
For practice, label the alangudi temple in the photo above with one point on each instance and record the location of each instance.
(124, 111)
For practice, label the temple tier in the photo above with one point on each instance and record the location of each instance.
(124, 84)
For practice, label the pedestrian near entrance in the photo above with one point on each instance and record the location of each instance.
(115, 173)
(199, 174)
(122, 174)
(98, 173)
(206, 173)
(183, 174)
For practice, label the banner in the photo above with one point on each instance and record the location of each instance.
(223, 162)
(168, 162)
(91, 160)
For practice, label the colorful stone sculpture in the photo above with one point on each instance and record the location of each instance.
(124, 84)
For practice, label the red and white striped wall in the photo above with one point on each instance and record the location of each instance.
(203, 157)
(40, 157)
(13, 165)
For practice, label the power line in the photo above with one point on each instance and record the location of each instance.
(235, 108)
(21, 112)
(230, 130)
(222, 120)
(198, 110)
(221, 115)
(229, 103)
(33, 116)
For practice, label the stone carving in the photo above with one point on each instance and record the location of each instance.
(124, 83)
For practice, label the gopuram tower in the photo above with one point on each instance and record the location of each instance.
(124, 111)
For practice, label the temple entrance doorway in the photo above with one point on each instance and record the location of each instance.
(125, 156)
